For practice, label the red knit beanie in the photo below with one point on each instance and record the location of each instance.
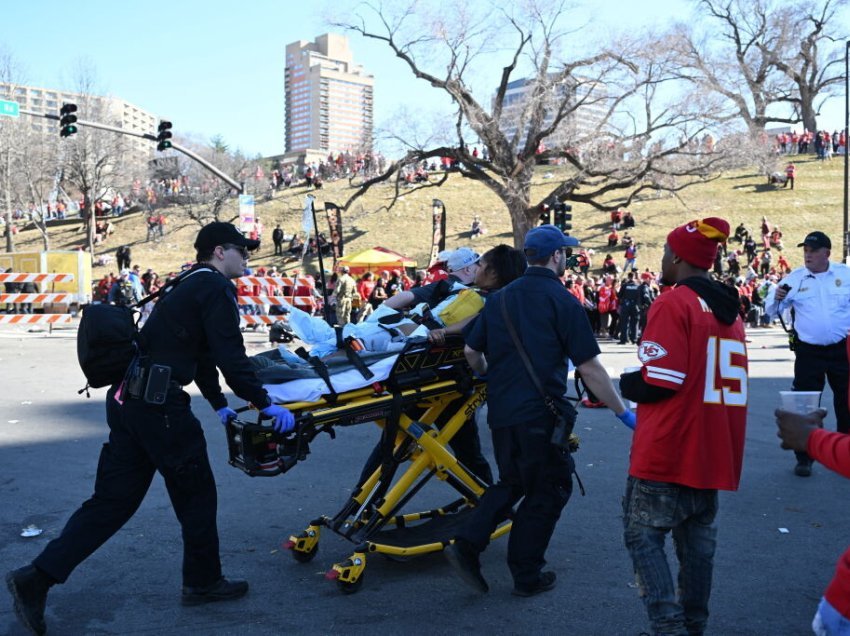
(696, 242)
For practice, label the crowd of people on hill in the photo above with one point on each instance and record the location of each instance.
(752, 262)
(823, 143)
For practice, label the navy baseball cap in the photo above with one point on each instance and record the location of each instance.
(545, 240)
(221, 233)
(816, 240)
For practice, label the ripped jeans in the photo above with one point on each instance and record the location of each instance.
(650, 510)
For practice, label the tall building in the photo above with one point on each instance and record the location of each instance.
(328, 98)
(107, 110)
(586, 98)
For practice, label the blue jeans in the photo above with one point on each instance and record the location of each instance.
(651, 509)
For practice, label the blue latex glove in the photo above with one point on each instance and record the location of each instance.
(628, 418)
(282, 420)
(225, 414)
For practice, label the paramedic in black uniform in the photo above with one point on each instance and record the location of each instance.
(552, 327)
(193, 329)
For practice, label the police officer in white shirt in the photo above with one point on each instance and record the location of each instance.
(818, 294)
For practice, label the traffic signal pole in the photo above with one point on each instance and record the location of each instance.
(121, 131)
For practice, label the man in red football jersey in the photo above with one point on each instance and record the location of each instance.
(689, 442)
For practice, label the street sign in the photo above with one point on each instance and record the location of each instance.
(9, 109)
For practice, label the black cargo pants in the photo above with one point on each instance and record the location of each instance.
(531, 468)
(145, 439)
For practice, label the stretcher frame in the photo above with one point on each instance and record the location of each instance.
(435, 383)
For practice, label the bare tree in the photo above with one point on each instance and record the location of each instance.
(771, 63)
(604, 116)
(206, 197)
(93, 161)
(38, 175)
(808, 55)
(10, 140)
(739, 65)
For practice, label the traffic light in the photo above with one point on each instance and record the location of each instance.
(545, 214)
(164, 137)
(563, 217)
(67, 119)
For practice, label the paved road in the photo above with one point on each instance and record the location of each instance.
(766, 582)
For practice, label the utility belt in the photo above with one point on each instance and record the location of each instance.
(149, 382)
(835, 345)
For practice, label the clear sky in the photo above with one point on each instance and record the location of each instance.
(217, 68)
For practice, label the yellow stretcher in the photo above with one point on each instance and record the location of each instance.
(428, 383)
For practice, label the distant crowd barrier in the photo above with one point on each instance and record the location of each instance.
(274, 291)
(35, 298)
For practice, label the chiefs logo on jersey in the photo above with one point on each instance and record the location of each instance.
(649, 351)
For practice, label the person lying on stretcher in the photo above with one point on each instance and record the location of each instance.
(438, 309)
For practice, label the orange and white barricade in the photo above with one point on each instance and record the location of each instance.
(35, 298)
(11, 277)
(34, 319)
(298, 291)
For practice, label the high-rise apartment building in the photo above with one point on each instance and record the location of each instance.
(105, 110)
(586, 99)
(328, 98)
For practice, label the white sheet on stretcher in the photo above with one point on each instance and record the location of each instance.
(311, 389)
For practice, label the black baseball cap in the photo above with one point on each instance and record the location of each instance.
(816, 240)
(221, 233)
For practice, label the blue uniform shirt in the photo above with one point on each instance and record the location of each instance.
(552, 326)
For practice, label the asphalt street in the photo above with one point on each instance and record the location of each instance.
(779, 539)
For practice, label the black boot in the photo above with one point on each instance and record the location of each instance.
(464, 559)
(221, 590)
(29, 587)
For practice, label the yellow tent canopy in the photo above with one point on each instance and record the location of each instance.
(376, 259)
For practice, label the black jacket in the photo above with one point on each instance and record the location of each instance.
(194, 328)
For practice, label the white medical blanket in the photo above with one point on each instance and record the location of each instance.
(312, 389)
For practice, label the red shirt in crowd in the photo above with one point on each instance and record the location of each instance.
(606, 299)
(696, 437)
(364, 288)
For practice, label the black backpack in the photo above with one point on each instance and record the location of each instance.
(108, 339)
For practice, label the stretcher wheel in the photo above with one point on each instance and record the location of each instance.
(305, 557)
(350, 587)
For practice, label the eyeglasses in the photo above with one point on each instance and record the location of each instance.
(239, 248)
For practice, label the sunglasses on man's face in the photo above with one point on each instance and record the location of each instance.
(239, 248)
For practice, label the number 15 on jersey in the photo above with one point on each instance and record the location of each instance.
(732, 388)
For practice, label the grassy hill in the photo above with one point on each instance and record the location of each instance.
(816, 203)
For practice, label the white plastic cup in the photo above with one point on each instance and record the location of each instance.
(632, 405)
(801, 402)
